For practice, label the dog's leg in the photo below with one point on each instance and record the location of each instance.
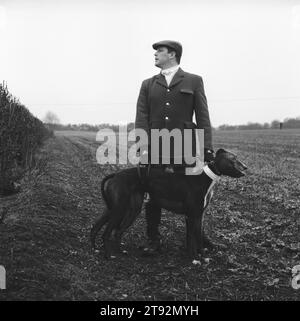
(136, 203)
(110, 234)
(97, 227)
(108, 240)
(198, 236)
(186, 227)
(192, 230)
(200, 233)
(201, 239)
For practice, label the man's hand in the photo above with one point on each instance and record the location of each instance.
(209, 155)
(143, 158)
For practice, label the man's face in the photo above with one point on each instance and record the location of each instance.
(163, 57)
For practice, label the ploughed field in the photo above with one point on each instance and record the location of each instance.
(44, 237)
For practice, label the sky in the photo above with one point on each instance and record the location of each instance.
(85, 60)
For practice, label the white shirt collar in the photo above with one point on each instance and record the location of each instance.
(170, 70)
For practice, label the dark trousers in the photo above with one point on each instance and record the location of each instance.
(153, 211)
(153, 216)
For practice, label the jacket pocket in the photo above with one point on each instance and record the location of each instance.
(187, 91)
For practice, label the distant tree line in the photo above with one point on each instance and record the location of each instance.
(87, 127)
(52, 122)
(288, 123)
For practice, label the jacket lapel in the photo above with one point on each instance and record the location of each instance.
(160, 79)
(177, 78)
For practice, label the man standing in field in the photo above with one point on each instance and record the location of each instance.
(168, 101)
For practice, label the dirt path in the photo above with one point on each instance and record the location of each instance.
(44, 242)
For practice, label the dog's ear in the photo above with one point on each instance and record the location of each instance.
(220, 151)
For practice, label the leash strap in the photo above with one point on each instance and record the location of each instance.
(211, 174)
(143, 176)
(215, 178)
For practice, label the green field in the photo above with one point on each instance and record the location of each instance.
(44, 239)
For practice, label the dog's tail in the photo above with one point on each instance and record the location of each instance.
(105, 179)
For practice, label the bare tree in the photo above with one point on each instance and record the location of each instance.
(51, 118)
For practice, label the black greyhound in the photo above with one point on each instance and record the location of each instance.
(190, 195)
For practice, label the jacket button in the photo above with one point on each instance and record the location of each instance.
(168, 104)
(168, 90)
(166, 118)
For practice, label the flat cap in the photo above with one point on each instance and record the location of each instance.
(171, 44)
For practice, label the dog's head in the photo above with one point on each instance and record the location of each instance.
(228, 164)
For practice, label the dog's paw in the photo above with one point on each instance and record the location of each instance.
(196, 262)
(206, 260)
(146, 251)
